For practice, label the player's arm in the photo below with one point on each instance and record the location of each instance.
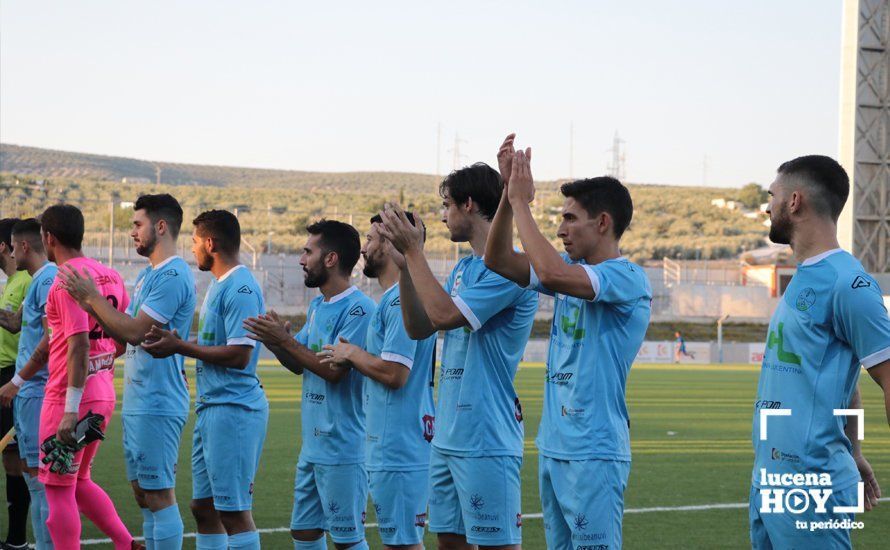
(164, 343)
(11, 320)
(880, 373)
(117, 324)
(36, 362)
(872, 489)
(77, 363)
(389, 373)
(551, 270)
(416, 322)
(499, 254)
(440, 309)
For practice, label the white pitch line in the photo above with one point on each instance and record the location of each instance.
(538, 515)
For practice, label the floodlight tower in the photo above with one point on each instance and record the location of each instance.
(864, 144)
(616, 166)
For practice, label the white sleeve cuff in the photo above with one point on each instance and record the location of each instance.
(467, 313)
(154, 314)
(396, 358)
(241, 342)
(594, 281)
(533, 281)
(876, 358)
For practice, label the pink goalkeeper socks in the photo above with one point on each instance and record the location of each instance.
(64, 519)
(97, 506)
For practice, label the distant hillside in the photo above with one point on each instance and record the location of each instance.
(49, 163)
(274, 206)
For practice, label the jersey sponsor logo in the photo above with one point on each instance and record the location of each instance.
(860, 282)
(476, 501)
(806, 299)
(357, 311)
(451, 374)
(767, 404)
(777, 340)
(317, 398)
(428, 427)
(100, 363)
(485, 529)
(569, 411)
(245, 290)
(333, 507)
(560, 378)
(581, 522)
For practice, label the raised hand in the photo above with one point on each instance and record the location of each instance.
(340, 354)
(399, 231)
(268, 329)
(522, 187)
(81, 288)
(161, 343)
(505, 158)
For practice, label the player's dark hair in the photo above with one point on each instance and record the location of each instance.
(6, 231)
(162, 207)
(29, 228)
(65, 223)
(341, 238)
(603, 194)
(479, 182)
(824, 176)
(223, 227)
(410, 215)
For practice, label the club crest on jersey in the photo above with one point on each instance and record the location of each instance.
(420, 520)
(456, 286)
(517, 410)
(428, 427)
(806, 299)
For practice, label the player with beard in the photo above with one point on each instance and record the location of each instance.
(231, 408)
(477, 449)
(830, 320)
(17, 283)
(399, 412)
(25, 390)
(81, 380)
(601, 311)
(156, 396)
(331, 488)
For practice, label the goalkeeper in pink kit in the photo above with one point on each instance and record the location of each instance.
(81, 380)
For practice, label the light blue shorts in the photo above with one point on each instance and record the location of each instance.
(151, 449)
(478, 497)
(400, 500)
(26, 419)
(781, 530)
(582, 502)
(331, 498)
(226, 449)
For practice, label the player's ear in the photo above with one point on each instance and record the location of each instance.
(161, 227)
(331, 259)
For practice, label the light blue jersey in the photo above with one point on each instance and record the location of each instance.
(232, 298)
(166, 293)
(333, 421)
(399, 422)
(33, 312)
(592, 346)
(830, 320)
(479, 413)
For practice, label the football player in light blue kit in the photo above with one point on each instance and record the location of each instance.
(25, 391)
(231, 407)
(331, 488)
(156, 396)
(399, 411)
(830, 320)
(477, 448)
(600, 316)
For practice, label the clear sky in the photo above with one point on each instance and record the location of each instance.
(348, 85)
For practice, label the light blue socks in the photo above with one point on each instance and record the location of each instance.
(39, 512)
(319, 544)
(148, 528)
(216, 541)
(248, 540)
(168, 529)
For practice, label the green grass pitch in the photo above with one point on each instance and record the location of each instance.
(690, 430)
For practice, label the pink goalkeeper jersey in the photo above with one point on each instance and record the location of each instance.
(65, 319)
